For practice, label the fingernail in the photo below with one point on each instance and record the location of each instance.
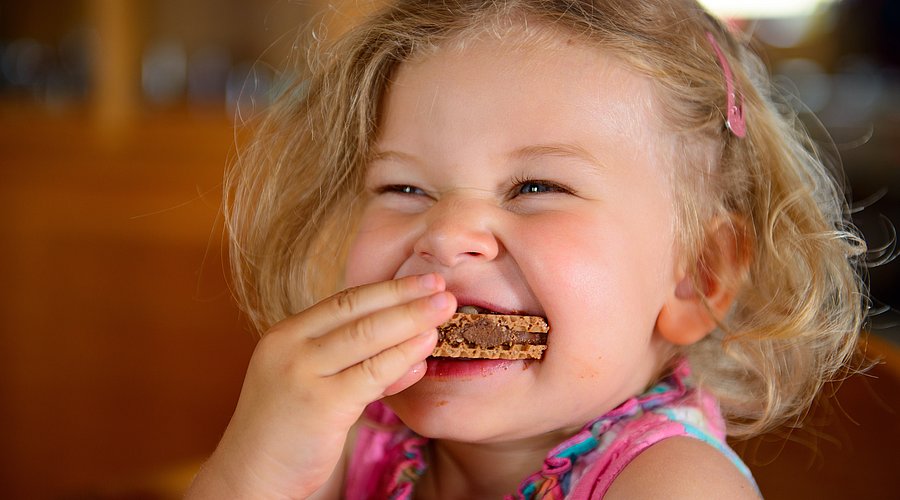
(438, 301)
(428, 281)
(420, 368)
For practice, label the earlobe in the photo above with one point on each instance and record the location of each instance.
(695, 305)
(688, 315)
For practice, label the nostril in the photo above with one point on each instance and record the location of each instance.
(454, 233)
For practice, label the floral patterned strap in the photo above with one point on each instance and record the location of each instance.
(551, 482)
(410, 468)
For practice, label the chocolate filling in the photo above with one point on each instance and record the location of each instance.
(485, 333)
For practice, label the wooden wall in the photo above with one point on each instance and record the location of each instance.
(121, 352)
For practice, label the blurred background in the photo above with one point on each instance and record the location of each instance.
(121, 352)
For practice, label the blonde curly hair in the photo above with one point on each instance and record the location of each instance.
(291, 196)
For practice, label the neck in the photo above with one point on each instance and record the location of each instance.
(479, 470)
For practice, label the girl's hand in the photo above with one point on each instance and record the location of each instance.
(310, 378)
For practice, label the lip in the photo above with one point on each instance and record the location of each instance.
(462, 300)
(451, 368)
(465, 300)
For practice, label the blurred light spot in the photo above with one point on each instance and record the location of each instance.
(163, 72)
(784, 32)
(249, 89)
(858, 86)
(208, 70)
(76, 52)
(22, 61)
(70, 79)
(813, 85)
(764, 8)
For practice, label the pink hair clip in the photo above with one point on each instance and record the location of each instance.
(735, 119)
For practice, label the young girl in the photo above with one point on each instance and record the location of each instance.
(617, 167)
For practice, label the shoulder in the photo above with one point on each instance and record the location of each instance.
(681, 467)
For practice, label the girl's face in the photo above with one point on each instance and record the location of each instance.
(536, 181)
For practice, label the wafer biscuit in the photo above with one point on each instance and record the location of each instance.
(492, 336)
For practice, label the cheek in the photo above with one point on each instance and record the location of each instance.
(356, 272)
(614, 270)
(564, 262)
(376, 252)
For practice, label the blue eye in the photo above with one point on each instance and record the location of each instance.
(534, 187)
(539, 187)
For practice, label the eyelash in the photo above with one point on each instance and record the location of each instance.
(550, 187)
(399, 189)
(518, 188)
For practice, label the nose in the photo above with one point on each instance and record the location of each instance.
(458, 230)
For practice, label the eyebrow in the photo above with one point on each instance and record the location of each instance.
(562, 150)
(392, 155)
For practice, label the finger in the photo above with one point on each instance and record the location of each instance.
(356, 302)
(408, 379)
(370, 335)
(372, 378)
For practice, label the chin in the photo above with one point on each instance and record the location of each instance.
(435, 417)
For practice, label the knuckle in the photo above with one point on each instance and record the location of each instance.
(371, 370)
(271, 343)
(346, 301)
(284, 355)
(363, 331)
(401, 287)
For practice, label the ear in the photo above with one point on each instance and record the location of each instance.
(705, 290)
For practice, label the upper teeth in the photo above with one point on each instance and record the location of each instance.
(469, 310)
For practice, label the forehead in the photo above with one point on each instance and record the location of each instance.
(517, 52)
(540, 88)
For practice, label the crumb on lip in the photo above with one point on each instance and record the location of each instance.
(474, 310)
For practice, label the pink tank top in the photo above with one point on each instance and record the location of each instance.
(388, 457)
